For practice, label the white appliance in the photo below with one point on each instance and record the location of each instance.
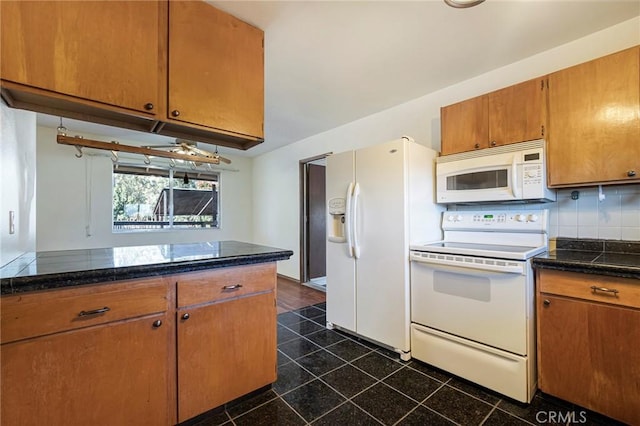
(472, 302)
(379, 200)
(509, 173)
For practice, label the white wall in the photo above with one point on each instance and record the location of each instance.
(74, 201)
(275, 183)
(17, 182)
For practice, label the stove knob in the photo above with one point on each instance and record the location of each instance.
(521, 218)
(533, 218)
(459, 218)
(450, 218)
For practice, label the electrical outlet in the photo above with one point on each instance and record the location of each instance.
(12, 222)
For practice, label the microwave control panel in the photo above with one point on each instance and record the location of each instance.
(532, 174)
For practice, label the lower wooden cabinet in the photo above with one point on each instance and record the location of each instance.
(98, 354)
(109, 354)
(225, 350)
(588, 342)
(226, 335)
(111, 374)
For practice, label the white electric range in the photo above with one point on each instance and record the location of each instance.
(472, 298)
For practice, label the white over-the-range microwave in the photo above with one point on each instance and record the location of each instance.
(509, 173)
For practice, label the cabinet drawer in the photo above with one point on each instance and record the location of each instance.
(35, 314)
(598, 288)
(224, 283)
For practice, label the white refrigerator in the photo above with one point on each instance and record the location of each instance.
(380, 200)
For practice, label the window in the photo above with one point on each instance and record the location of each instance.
(147, 198)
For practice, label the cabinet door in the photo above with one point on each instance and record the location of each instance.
(113, 374)
(516, 113)
(464, 126)
(594, 121)
(104, 51)
(216, 69)
(225, 350)
(588, 354)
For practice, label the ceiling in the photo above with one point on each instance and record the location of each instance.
(328, 63)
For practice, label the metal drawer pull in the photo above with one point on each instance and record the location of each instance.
(93, 312)
(232, 287)
(605, 290)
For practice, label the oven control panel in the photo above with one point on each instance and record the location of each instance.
(503, 220)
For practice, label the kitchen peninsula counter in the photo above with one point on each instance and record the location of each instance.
(602, 257)
(57, 269)
(154, 334)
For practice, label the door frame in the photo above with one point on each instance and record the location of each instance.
(303, 184)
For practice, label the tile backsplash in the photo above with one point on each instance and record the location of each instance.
(616, 217)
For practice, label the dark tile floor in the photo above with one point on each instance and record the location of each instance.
(327, 377)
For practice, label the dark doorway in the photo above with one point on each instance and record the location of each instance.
(316, 243)
(313, 228)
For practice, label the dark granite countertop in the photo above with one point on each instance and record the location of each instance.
(54, 269)
(603, 257)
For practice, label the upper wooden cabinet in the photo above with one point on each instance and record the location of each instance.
(465, 126)
(106, 52)
(216, 69)
(594, 121)
(510, 115)
(182, 69)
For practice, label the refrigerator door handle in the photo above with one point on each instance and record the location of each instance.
(347, 219)
(354, 223)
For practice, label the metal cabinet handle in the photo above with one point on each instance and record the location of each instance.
(631, 173)
(157, 323)
(232, 287)
(186, 316)
(546, 302)
(476, 146)
(605, 290)
(493, 143)
(175, 113)
(94, 312)
(148, 106)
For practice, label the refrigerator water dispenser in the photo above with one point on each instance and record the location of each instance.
(336, 225)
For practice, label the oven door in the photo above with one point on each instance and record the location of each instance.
(480, 299)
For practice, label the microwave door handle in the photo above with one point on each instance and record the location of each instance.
(514, 179)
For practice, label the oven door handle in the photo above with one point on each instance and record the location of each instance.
(482, 268)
